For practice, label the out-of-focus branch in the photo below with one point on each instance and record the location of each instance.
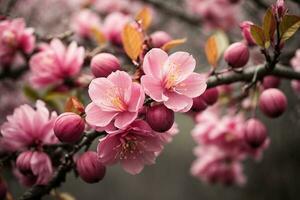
(260, 4)
(10, 5)
(37, 192)
(247, 75)
(174, 11)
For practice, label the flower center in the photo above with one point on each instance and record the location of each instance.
(172, 76)
(129, 147)
(9, 39)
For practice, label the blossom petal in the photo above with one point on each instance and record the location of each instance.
(97, 117)
(193, 86)
(125, 118)
(153, 62)
(132, 166)
(153, 88)
(178, 102)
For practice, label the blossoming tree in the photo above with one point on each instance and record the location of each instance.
(112, 79)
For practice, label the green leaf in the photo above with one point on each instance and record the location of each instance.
(289, 26)
(30, 93)
(269, 27)
(258, 35)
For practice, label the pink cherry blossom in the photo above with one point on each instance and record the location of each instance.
(113, 26)
(135, 146)
(214, 166)
(28, 127)
(85, 22)
(171, 80)
(214, 13)
(14, 36)
(114, 98)
(34, 168)
(55, 63)
(295, 62)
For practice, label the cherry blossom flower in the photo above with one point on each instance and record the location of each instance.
(28, 127)
(134, 146)
(114, 98)
(171, 80)
(34, 168)
(15, 36)
(56, 63)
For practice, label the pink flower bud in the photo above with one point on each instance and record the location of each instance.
(199, 104)
(279, 9)
(159, 38)
(245, 28)
(89, 168)
(160, 118)
(23, 162)
(3, 190)
(237, 55)
(69, 127)
(272, 102)
(104, 64)
(255, 133)
(210, 96)
(271, 82)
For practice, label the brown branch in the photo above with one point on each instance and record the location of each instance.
(38, 191)
(173, 11)
(248, 73)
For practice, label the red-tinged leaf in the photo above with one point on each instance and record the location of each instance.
(74, 105)
(211, 51)
(289, 26)
(258, 35)
(144, 17)
(98, 35)
(269, 27)
(132, 41)
(173, 43)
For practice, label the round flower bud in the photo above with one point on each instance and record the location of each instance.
(210, 96)
(3, 190)
(104, 64)
(199, 104)
(160, 118)
(271, 82)
(69, 127)
(159, 38)
(237, 55)
(245, 28)
(272, 102)
(23, 162)
(89, 168)
(255, 133)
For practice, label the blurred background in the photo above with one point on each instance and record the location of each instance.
(276, 176)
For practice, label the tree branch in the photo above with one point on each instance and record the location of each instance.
(248, 73)
(173, 11)
(38, 191)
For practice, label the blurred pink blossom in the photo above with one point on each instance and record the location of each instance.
(171, 80)
(28, 127)
(134, 146)
(55, 63)
(114, 98)
(14, 37)
(33, 168)
(295, 62)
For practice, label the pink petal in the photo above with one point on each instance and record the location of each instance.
(137, 98)
(185, 62)
(153, 88)
(97, 117)
(178, 102)
(153, 62)
(122, 82)
(107, 150)
(124, 119)
(193, 86)
(132, 166)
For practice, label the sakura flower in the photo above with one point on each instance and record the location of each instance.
(34, 168)
(171, 80)
(14, 36)
(114, 98)
(85, 22)
(28, 127)
(56, 63)
(133, 146)
(113, 26)
(214, 166)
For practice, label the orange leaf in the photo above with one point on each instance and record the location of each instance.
(132, 41)
(144, 17)
(173, 43)
(98, 36)
(258, 35)
(211, 51)
(74, 105)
